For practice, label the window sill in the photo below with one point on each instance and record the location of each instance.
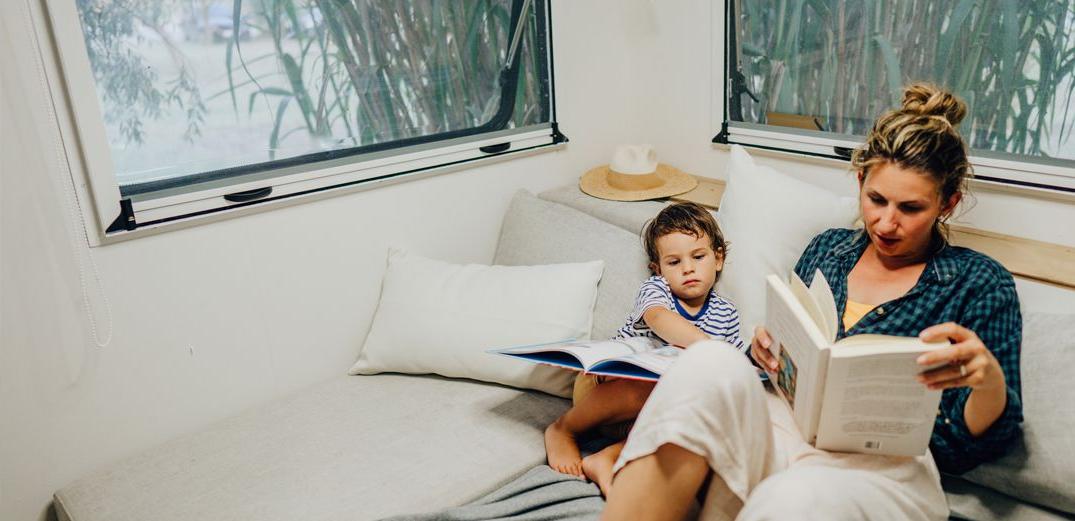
(308, 183)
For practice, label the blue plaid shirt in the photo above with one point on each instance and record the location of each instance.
(958, 285)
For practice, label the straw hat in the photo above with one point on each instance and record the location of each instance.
(635, 175)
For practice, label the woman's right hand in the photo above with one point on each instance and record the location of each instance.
(759, 349)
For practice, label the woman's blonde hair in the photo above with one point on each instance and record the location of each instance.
(921, 135)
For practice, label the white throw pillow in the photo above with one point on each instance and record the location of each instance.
(437, 317)
(769, 218)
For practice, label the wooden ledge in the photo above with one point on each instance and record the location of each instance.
(1035, 260)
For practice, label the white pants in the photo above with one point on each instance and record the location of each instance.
(712, 403)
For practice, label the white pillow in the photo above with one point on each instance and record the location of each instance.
(769, 218)
(437, 317)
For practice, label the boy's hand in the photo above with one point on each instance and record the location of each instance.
(759, 349)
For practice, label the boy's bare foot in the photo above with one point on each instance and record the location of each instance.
(562, 450)
(598, 466)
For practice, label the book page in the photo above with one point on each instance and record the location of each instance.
(822, 295)
(873, 404)
(870, 344)
(809, 303)
(647, 365)
(802, 353)
(579, 355)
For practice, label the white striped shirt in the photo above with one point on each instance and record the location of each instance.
(718, 317)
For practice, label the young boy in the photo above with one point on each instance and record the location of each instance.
(678, 305)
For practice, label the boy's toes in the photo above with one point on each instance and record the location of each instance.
(562, 451)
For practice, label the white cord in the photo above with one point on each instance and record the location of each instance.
(81, 248)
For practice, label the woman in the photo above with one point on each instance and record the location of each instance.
(710, 419)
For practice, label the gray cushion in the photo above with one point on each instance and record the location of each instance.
(1041, 469)
(542, 232)
(975, 502)
(630, 216)
(357, 447)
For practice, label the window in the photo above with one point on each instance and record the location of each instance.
(811, 76)
(187, 107)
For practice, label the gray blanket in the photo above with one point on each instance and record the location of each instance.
(542, 494)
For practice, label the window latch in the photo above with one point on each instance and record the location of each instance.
(739, 86)
(493, 149)
(248, 195)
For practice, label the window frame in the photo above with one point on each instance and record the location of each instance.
(1038, 174)
(111, 216)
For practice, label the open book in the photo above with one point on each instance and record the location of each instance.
(637, 357)
(858, 394)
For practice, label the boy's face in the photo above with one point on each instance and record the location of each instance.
(689, 264)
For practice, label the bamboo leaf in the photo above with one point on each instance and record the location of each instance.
(294, 76)
(267, 91)
(1009, 22)
(293, 18)
(231, 81)
(236, 13)
(473, 25)
(274, 137)
(794, 27)
(892, 68)
(822, 9)
(947, 40)
(250, 81)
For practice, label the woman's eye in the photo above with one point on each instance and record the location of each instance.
(876, 200)
(912, 209)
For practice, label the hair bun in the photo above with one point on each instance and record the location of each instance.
(928, 100)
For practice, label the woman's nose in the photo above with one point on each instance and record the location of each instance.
(888, 220)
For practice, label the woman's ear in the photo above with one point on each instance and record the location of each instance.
(950, 204)
(861, 177)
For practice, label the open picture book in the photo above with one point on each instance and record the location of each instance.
(857, 394)
(639, 358)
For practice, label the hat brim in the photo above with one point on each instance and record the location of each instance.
(671, 182)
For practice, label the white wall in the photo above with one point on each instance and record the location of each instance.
(212, 320)
(279, 300)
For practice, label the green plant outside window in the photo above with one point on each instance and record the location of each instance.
(190, 87)
(835, 65)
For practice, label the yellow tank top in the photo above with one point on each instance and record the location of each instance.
(854, 311)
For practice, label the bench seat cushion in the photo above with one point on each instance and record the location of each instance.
(356, 447)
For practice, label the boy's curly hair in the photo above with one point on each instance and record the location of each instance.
(688, 218)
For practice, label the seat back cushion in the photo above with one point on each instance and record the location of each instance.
(967, 500)
(535, 231)
(627, 215)
(1041, 468)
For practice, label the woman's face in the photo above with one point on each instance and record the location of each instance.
(899, 207)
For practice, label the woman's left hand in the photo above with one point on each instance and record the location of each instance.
(968, 362)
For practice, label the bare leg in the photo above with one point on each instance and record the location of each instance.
(598, 467)
(660, 486)
(610, 402)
